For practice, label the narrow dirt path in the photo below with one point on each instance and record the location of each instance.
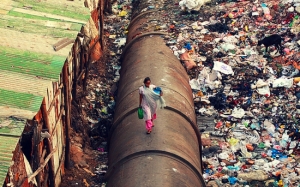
(93, 110)
(88, 136)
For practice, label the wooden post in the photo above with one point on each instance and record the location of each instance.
(45, 183)
(67, 112)
(49, 145)
(82, 60)
(108, 6)
(87, 67)
(41, 167)
(75, 70)
(81, 65)
(101, 24)
(36, 139)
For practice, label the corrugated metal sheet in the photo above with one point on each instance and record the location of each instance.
(26, 50)
(7, 146)
(28, 62)
(10, 131)
(11, 126)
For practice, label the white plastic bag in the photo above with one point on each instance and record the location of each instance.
(287, 83)
(194, 84)
(269, 126)
(238, 113)
(227, 46)
(230, 39)
(223, 68)
(264, 90)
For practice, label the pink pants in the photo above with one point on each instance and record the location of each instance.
(149, 123)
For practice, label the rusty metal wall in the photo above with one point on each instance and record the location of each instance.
(171, 154)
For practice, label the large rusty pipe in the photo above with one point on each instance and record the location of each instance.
(171, 154)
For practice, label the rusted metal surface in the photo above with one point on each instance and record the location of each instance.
(138, 17)
(170, 155)
(17, 174)
(144, 23)
(7, 146)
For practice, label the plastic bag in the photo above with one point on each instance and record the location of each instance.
(227, 46)
(238, 112)
(288, 83)
(123, 13)
(264, 90)
(269, 126)
(223, 68)
(258, 175)
(194, 84)
(140, 113)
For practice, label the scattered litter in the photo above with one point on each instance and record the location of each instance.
(242, 58)
(218, 27)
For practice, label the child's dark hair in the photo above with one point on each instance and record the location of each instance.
(146, 80)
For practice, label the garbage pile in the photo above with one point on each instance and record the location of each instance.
(103, 83)
(242, 58)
